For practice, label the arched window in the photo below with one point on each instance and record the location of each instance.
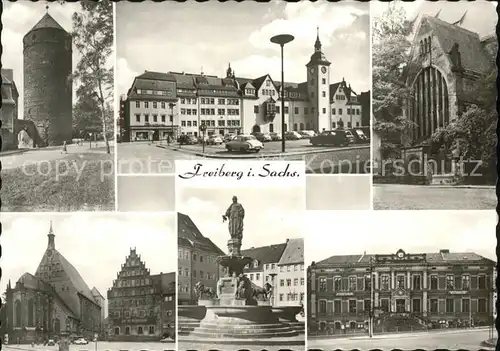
(139, 330)
(352, 325)
(17, 314)
(117, 330)
(429, 107)
(302, 126)
(295, 126)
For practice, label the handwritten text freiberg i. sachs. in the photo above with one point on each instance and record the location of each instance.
(267, 170)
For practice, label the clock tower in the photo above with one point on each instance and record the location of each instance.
(318, 87)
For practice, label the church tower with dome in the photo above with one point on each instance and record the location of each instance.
(318, 84)
(48, 89)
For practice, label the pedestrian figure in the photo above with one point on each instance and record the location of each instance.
(64, 148)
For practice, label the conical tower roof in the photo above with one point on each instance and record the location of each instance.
(47, 22)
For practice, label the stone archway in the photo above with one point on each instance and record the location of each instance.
(256, 129)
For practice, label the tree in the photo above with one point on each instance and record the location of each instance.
(390, 54)
(473, 134)
(93, 38)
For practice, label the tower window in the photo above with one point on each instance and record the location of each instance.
(323, 94)
(323, 80)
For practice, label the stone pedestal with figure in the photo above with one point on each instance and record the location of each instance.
(239, 309)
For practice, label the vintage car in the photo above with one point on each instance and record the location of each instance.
(359, 136)
(275, 136)
(244, 143)
(215, 140)
(331, 137)
(262, 137)
(187, 139)
(80, 341)
(292, 136)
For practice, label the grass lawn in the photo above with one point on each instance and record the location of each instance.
(76, 182)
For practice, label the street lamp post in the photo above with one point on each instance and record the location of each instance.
(203, 128)
(171, 105)
(282, 39)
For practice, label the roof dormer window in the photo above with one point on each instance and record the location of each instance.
(255, 264)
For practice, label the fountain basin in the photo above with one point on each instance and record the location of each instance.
(287, 314)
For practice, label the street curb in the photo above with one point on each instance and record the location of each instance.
(259, 155)
(261, 342)
(14, 152)
(487, 343)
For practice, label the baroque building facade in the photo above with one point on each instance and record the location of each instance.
(402, 291)
(197, 260)
(173, 103)
(48, 88)
(141, 306)
(55, 299)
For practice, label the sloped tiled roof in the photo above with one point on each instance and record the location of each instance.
(188, 234)
(473, 56)
(264, 255)
(433, 257)
(294, 252)
(96, 292)
(47, 22)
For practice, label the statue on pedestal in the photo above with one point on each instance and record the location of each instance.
(235, 215)
(203, 292)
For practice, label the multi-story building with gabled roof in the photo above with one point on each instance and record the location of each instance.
(173, 103)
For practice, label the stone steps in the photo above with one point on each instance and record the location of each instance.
(210, 330)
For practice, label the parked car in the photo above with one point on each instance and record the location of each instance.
(214, 140)
(80, 341)
(244, 143)
(187, 139)
(293, 135)
(331, 137)
(304, 134)
(262, 137)
(202, 139)
(366, 131)
(268, 137)
(228, 137)
(51, 342)
(350, 136)
(359, 136)
(275, 136)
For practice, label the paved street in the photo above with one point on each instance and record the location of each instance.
(463, 339)
(144, 158)
(425, 197)
(101, 346)
(242, 346)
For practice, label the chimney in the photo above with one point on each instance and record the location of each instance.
(51, 244)
(444, 251)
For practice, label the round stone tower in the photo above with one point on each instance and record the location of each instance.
(48, 89)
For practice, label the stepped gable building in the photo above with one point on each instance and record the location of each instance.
(55, 299)
(291, 277)
(141, 306)
(234, 104)
(197, 260)
(264, 267)
(48, 89)
(447, 56)
(436, 290)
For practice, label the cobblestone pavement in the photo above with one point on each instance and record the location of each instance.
(464, 339)
(426, 197)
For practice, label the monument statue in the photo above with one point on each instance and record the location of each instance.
(234, 215)
(203, 292)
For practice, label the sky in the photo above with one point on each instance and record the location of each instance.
(174, 36)
(385, 232)
(96, 244)
(338, 192)
(271, 215)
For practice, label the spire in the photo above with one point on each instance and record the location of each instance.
(47, 8)
(229, 71)
(317, 44)
(51, 244)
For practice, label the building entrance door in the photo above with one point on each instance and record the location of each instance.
(400, 305)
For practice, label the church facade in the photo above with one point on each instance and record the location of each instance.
(447, 57)
(173, 103)
(141, 306)
(55, 299)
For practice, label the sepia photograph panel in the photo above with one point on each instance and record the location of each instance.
(88, 281)
(57, 107)
(276, 86)
(152, 193)
(435, 115)
(241, 265)
(402, 280)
